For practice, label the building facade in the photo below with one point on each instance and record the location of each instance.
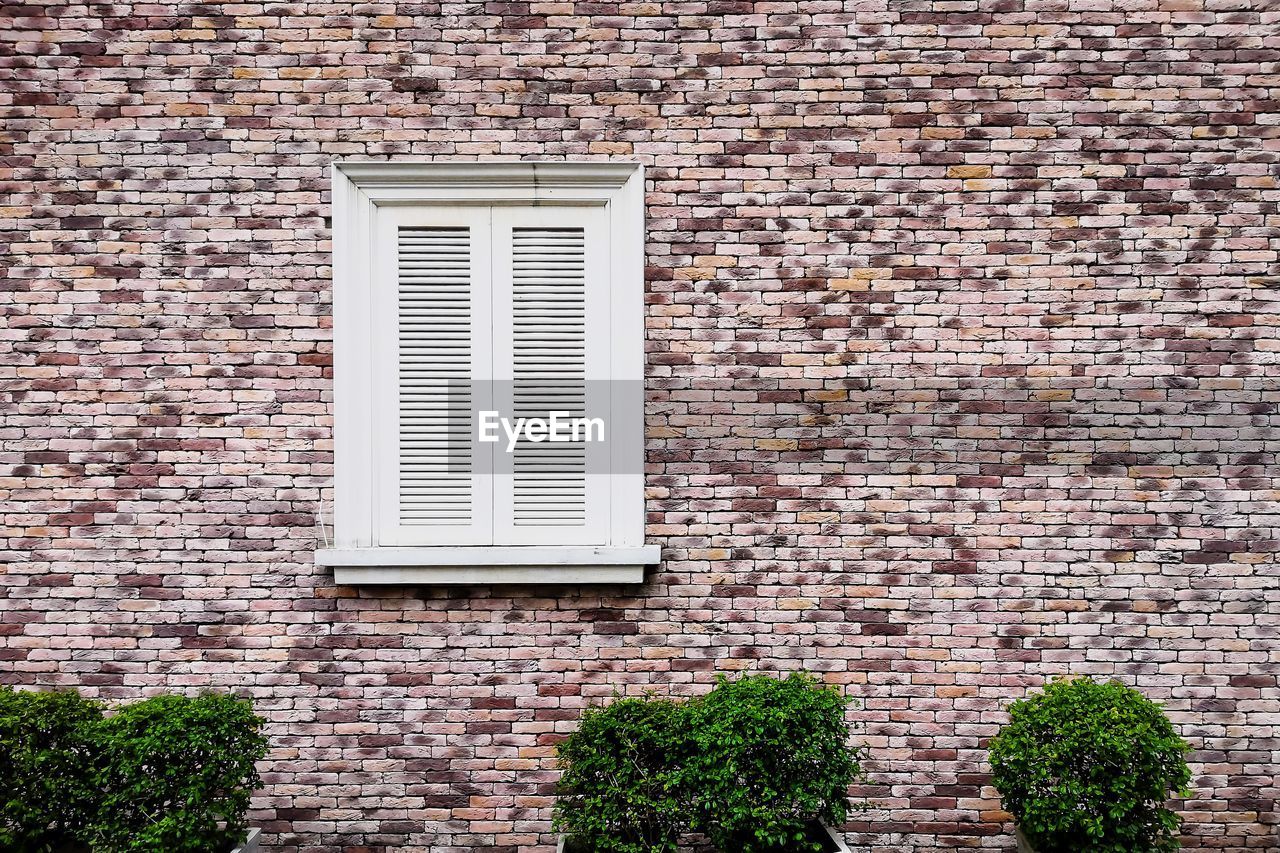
(960, 360)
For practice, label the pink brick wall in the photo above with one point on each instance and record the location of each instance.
(963, 348)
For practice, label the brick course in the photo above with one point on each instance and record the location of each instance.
(962, 337)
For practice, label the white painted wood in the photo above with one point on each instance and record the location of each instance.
(626, 364)
(516, 555)
(250, 844)
(473, 575)
(476, 566)
(837, 839)
(433, 313)
(367, 196)
(457, 180)
(353, 524)
(551, 343)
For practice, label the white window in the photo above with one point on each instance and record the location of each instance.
(488, 362)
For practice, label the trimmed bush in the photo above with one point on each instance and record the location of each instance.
(1089, 766)
(769, 757)
(46, 759)
(620, 789)
(176, 775)
(752, 765)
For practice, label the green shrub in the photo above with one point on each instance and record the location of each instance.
(46, 758)
(769, 756)
(176, 775)
(619, 790)
(1089, 766)
(752, 764)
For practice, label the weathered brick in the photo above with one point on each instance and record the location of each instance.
(961, 349)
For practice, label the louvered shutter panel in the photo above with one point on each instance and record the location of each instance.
(440, 354)
(551, 335)
(549, 362)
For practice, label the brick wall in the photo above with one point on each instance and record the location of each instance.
(963, 372)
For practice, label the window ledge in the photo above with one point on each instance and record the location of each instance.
(488, 565)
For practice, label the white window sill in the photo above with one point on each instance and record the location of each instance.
(488, 565)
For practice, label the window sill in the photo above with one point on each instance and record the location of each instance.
(491, 565)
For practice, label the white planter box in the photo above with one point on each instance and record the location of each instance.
(837, 842)
(250, 844)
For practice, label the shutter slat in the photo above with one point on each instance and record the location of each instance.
(549, 486)
(434, 305)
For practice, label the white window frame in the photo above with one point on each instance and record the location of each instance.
(359, 189)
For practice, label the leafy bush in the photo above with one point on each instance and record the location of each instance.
(619, 790)
(769, 757)
(46, 757)
(751, 765)
(176, 775)
(1089, 766)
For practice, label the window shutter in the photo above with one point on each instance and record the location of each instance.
(551, 333)
(435, 489)
(462, 288)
